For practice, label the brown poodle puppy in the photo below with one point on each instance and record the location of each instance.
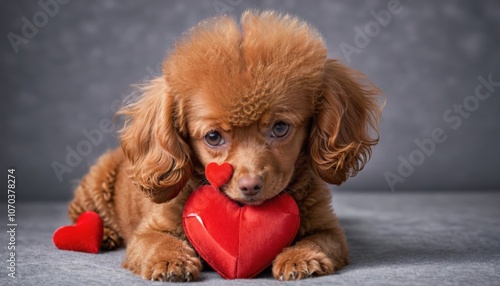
(263, 97)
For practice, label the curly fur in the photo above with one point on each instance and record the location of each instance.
(239, 82)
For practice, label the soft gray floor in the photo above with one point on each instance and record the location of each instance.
(395, 239)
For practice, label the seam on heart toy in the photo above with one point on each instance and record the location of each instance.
(205, 254)
(197, 217)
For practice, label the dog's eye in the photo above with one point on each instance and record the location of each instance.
(214, 139)
(280, 129)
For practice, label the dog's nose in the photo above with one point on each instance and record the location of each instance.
(250, 186)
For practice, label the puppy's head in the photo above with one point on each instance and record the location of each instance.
(263, 97)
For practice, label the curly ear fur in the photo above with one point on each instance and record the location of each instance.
(159, 158)
(347, 114)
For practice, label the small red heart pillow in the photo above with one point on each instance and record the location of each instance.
(217, 174)
(84, 236)
(239, 241)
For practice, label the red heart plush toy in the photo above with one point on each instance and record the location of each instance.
(238, 241)
(217, 174)
(84, 236)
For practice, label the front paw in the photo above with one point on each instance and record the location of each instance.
(173, 268)
(301, 262)
(172, 262)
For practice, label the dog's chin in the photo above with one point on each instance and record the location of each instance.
(242, 200)
(256, 200)
(250, 201)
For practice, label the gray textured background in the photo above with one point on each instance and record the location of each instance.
(69, 75)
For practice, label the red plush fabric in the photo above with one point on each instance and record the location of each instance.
(84, 236)
(217, 174)
(239, 241)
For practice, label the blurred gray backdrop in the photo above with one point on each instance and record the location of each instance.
(66, 64)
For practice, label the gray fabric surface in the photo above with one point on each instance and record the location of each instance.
(395, 239)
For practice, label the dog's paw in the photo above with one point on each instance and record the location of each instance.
(173, 266)
(110, 240)
(171, 261)
(301, 262)
(174, 269)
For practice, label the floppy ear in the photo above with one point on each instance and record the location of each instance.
(159, 157)
(345, 126)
